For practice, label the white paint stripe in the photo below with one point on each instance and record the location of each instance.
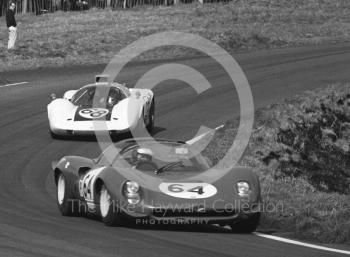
(197, 138)
(14, 84)
(289, 241)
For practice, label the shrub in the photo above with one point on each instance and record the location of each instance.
(314, 142)
(300, 150)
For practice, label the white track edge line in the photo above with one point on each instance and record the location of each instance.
(14, 84)
(197, 138)
(290, 241)
(281, 239)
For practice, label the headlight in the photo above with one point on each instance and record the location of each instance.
(132, 187)
(131, 192)
(133, 198)
(243, 188)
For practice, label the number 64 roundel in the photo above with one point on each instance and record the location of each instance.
(188, 190)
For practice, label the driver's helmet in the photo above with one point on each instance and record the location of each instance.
(111, 100)
(142, 155)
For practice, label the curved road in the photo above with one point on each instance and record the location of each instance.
(30, 224)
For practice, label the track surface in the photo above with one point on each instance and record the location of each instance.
(30, 224)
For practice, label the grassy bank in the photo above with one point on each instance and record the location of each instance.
(301, 150)
(96, 35)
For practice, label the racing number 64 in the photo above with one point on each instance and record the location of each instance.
(178, 188)
(188, 190)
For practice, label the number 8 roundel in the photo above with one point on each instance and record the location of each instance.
(188, 190)
(93, 113)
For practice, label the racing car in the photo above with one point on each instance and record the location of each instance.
(139, 182)
(120, 109)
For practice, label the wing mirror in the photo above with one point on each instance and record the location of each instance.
(53, 96)
(102, 78)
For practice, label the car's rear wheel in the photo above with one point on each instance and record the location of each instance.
(150, 124)
(66, 203)
(247, 225)
(109, 210)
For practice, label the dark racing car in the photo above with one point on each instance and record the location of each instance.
(139, 181)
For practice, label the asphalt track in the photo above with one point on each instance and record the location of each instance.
(30, 224)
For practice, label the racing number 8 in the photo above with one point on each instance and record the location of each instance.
(94, 113)
(97, 114)
(86, 111)
(177, 188)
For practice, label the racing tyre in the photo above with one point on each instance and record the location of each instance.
(65, 201)
(248, 225)
(108, 210)
(150, 124)
(53, 135)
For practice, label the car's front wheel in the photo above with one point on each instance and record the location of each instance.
(66, 203)
(109, 210)
(53, 135)
(247, 225)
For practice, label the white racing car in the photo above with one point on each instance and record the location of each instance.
(118, 109)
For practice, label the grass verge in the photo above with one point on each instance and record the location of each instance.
(301, 150)
(93, 36)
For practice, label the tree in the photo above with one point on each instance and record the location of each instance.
(25, 6)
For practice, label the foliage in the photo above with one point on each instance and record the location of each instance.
(94, 36)
(313, 141)
(300, 150)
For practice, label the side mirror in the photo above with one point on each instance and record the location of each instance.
(53, 96)
(104, 78)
